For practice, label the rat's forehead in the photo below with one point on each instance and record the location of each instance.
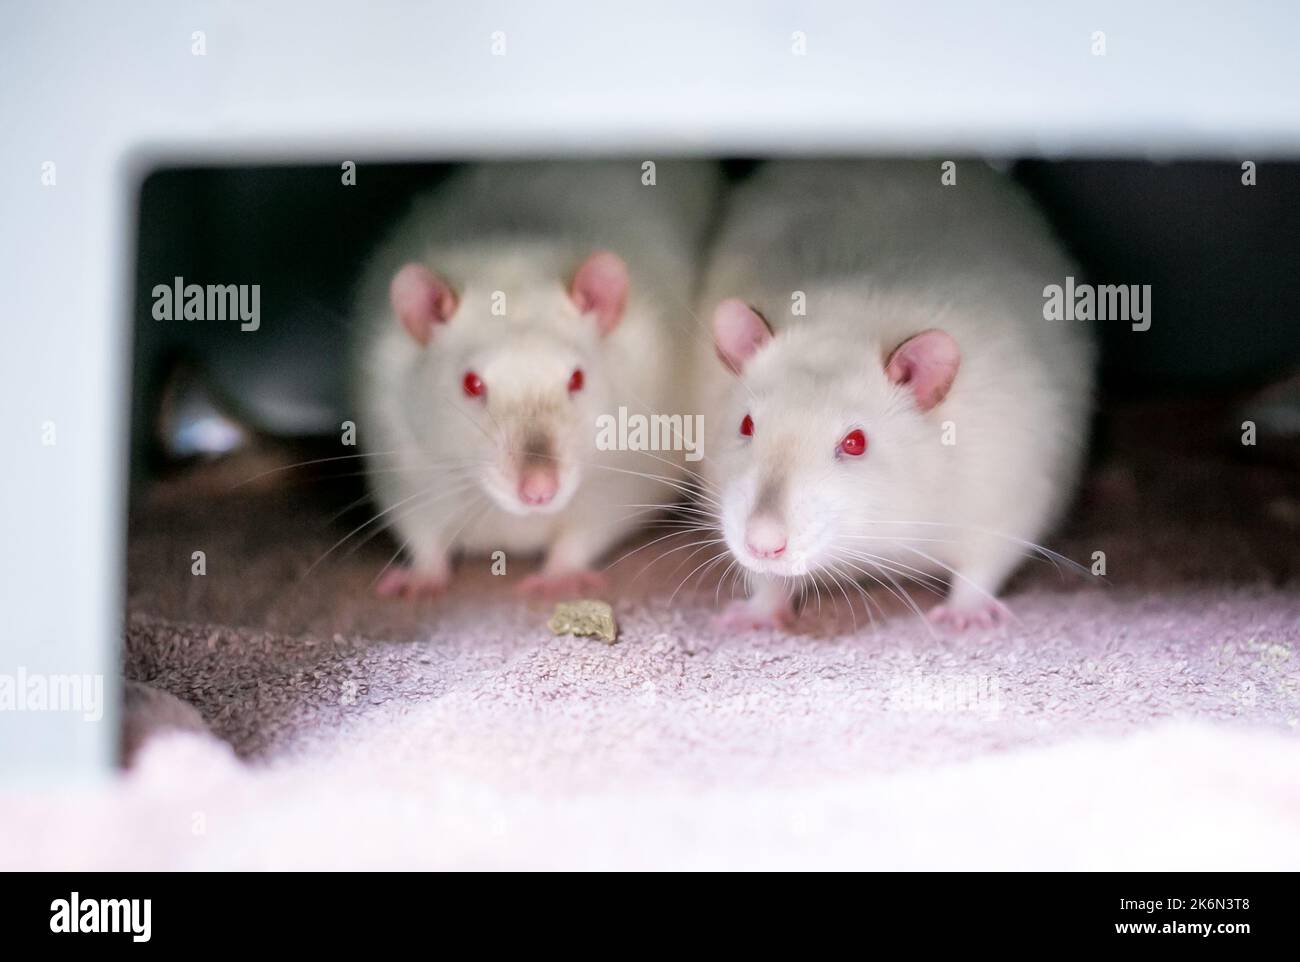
(809, 371)
(525, 352)
(540, 302)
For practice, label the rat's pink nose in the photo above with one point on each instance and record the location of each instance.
(765, 537)
(538, 486)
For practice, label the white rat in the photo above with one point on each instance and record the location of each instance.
(890, 401)
(513, 308)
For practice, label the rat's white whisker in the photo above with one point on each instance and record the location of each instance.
(716, 559)
(682, 486)
(369, 496)
(304, 464)
(957, 575)
(702, 546)
(866, 597)
(837, 579)
(438, 496)
(907, 571)
(464, 486)
(887, 570)
(421, 493)
(681, 508)
(642, 547)
(816, 583)
(426, 496)
(483, 509)
(1041, 550)
(721, 554)
(893, 588)
(717, 592)
(404, 544)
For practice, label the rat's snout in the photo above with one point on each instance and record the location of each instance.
(538, 470)
(765, 532)
(765, 536)
(538, 484)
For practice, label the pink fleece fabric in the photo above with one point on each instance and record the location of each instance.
(290, 719)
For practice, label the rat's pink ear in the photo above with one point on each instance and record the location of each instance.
(926, 363)
(600, 287)
(738, 333)
(421, 299)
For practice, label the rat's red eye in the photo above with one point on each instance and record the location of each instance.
(854, 444)
(473, 384)
(575, 381)
(747, 427)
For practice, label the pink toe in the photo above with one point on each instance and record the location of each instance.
(403, 582)
(744, 616)
(986, 614)
(391, 584)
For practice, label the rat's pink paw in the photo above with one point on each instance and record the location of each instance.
(748, 616)
(984, 613)
(409, 583)
(562, 585)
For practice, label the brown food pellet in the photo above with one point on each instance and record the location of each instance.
(590, 618)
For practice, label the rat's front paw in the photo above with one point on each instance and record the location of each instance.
(412, 583)
(752, 614)
(562, 585)
(980, 613)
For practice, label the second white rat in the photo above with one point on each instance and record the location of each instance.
(888, 401)
(510, 311)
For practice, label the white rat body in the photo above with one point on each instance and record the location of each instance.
(921, 417)
(511, 310)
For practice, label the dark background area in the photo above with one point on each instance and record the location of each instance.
(1223, 261)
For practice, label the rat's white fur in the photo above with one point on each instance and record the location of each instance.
(884, 251)
(442, 469)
